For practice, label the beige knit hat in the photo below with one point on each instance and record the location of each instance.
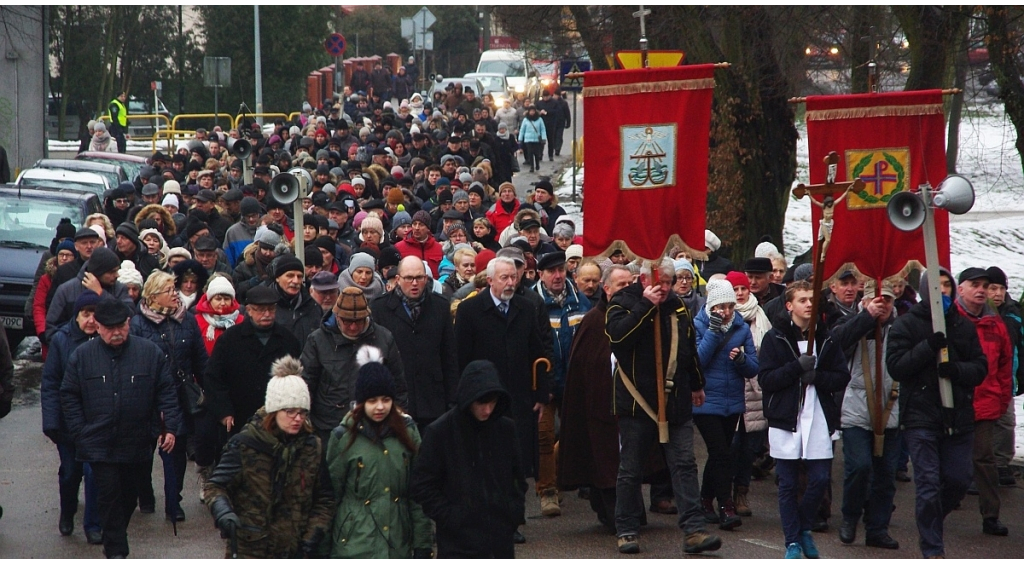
(286, 388)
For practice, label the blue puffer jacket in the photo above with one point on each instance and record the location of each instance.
(188, 357)
(564, 320)
(64, 342)
(725, 386)
(113, 399)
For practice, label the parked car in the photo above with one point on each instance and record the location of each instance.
(113, 173)
(28, 219)
(494, 84)
(141, 127)
(516, 68)
(63, 180)
(130, 164)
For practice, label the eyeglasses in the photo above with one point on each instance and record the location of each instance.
(412, 279)
(121, 201)
(686, 278)
(296, 413)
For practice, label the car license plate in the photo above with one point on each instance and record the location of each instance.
(12, 322)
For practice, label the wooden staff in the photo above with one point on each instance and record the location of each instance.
(945, 92)
(540, 360)
(880, 406)
(659, 372)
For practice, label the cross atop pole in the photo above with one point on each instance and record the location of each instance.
(833, 193)
(642, 14)
(872, 38)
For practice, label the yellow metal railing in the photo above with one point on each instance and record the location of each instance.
(238, 118)
(179, 117)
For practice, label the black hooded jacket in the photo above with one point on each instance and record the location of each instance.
(468, 477)
(913, 363)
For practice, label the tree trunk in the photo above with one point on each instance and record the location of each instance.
(1003, 46)
(753, 139)
(591, 35)
(956, 104)
(933, 33)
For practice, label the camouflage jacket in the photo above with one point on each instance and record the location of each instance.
(280, 491)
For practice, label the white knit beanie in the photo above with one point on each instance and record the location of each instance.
(766, 250)
(720, 292)
(170, 200)
(286, 388)
(129, 274)
(218, 286)
(711, 240)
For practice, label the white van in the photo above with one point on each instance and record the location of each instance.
(517, 68)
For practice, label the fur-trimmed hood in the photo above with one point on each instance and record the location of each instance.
(170, 229)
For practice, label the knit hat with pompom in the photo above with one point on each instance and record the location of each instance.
(286, 388)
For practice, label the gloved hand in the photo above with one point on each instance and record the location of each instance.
(807, 362)
(53, 434)
(715, 323)
(421, 553)
(5, 408)
(228, 523)
(740, 357)
(937, 341)
(807, 378)
(948, 370)
(311, 546)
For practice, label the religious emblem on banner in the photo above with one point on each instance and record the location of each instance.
(883, 172)
(648, 156)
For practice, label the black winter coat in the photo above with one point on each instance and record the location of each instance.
(113, 399)
(427, 347)
(913, 364)
(629, 324)
(780, 372)
(512, 343)
(184, 351)
(300, 315)
(468, 476)
(239, 369)
(66, 341)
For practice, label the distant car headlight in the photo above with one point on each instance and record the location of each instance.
(521, 88)
(499, 99)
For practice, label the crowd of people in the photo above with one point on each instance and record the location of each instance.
(442, 340)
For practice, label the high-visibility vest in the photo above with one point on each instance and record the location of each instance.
(122, 113)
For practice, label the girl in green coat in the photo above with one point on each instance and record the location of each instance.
(369, 458)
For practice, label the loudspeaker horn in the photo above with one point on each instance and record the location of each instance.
(906, 211)
(303, 176)
(955, 195)
(284, 188)
(239, 148)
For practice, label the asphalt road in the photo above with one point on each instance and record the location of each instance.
(28, 529)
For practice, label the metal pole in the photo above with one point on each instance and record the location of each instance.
(259, 65)
(931, 254)
(574, 164)
(216, 97)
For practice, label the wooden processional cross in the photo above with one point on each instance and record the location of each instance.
(833, 192)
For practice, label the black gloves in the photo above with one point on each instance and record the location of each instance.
(937, 341)
(740, 357)
(948, 370)
(807, 378)
(311, 546)
(420, 553)
(715, 323)
(807, 362)
(228, 523)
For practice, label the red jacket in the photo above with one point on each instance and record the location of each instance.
(429, 250)
(501, 219)
(992, 396)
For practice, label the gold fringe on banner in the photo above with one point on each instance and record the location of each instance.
(674, 242)
(877, 111)
(649, 87)
(911, 266)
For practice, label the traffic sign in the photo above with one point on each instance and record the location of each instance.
(424, 18)
(572, 67)
(335, 44)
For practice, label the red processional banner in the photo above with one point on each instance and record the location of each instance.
(892, 142)
(646, 159)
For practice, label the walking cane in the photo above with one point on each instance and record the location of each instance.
(540, 360)
(659, 372)
(234, 543)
